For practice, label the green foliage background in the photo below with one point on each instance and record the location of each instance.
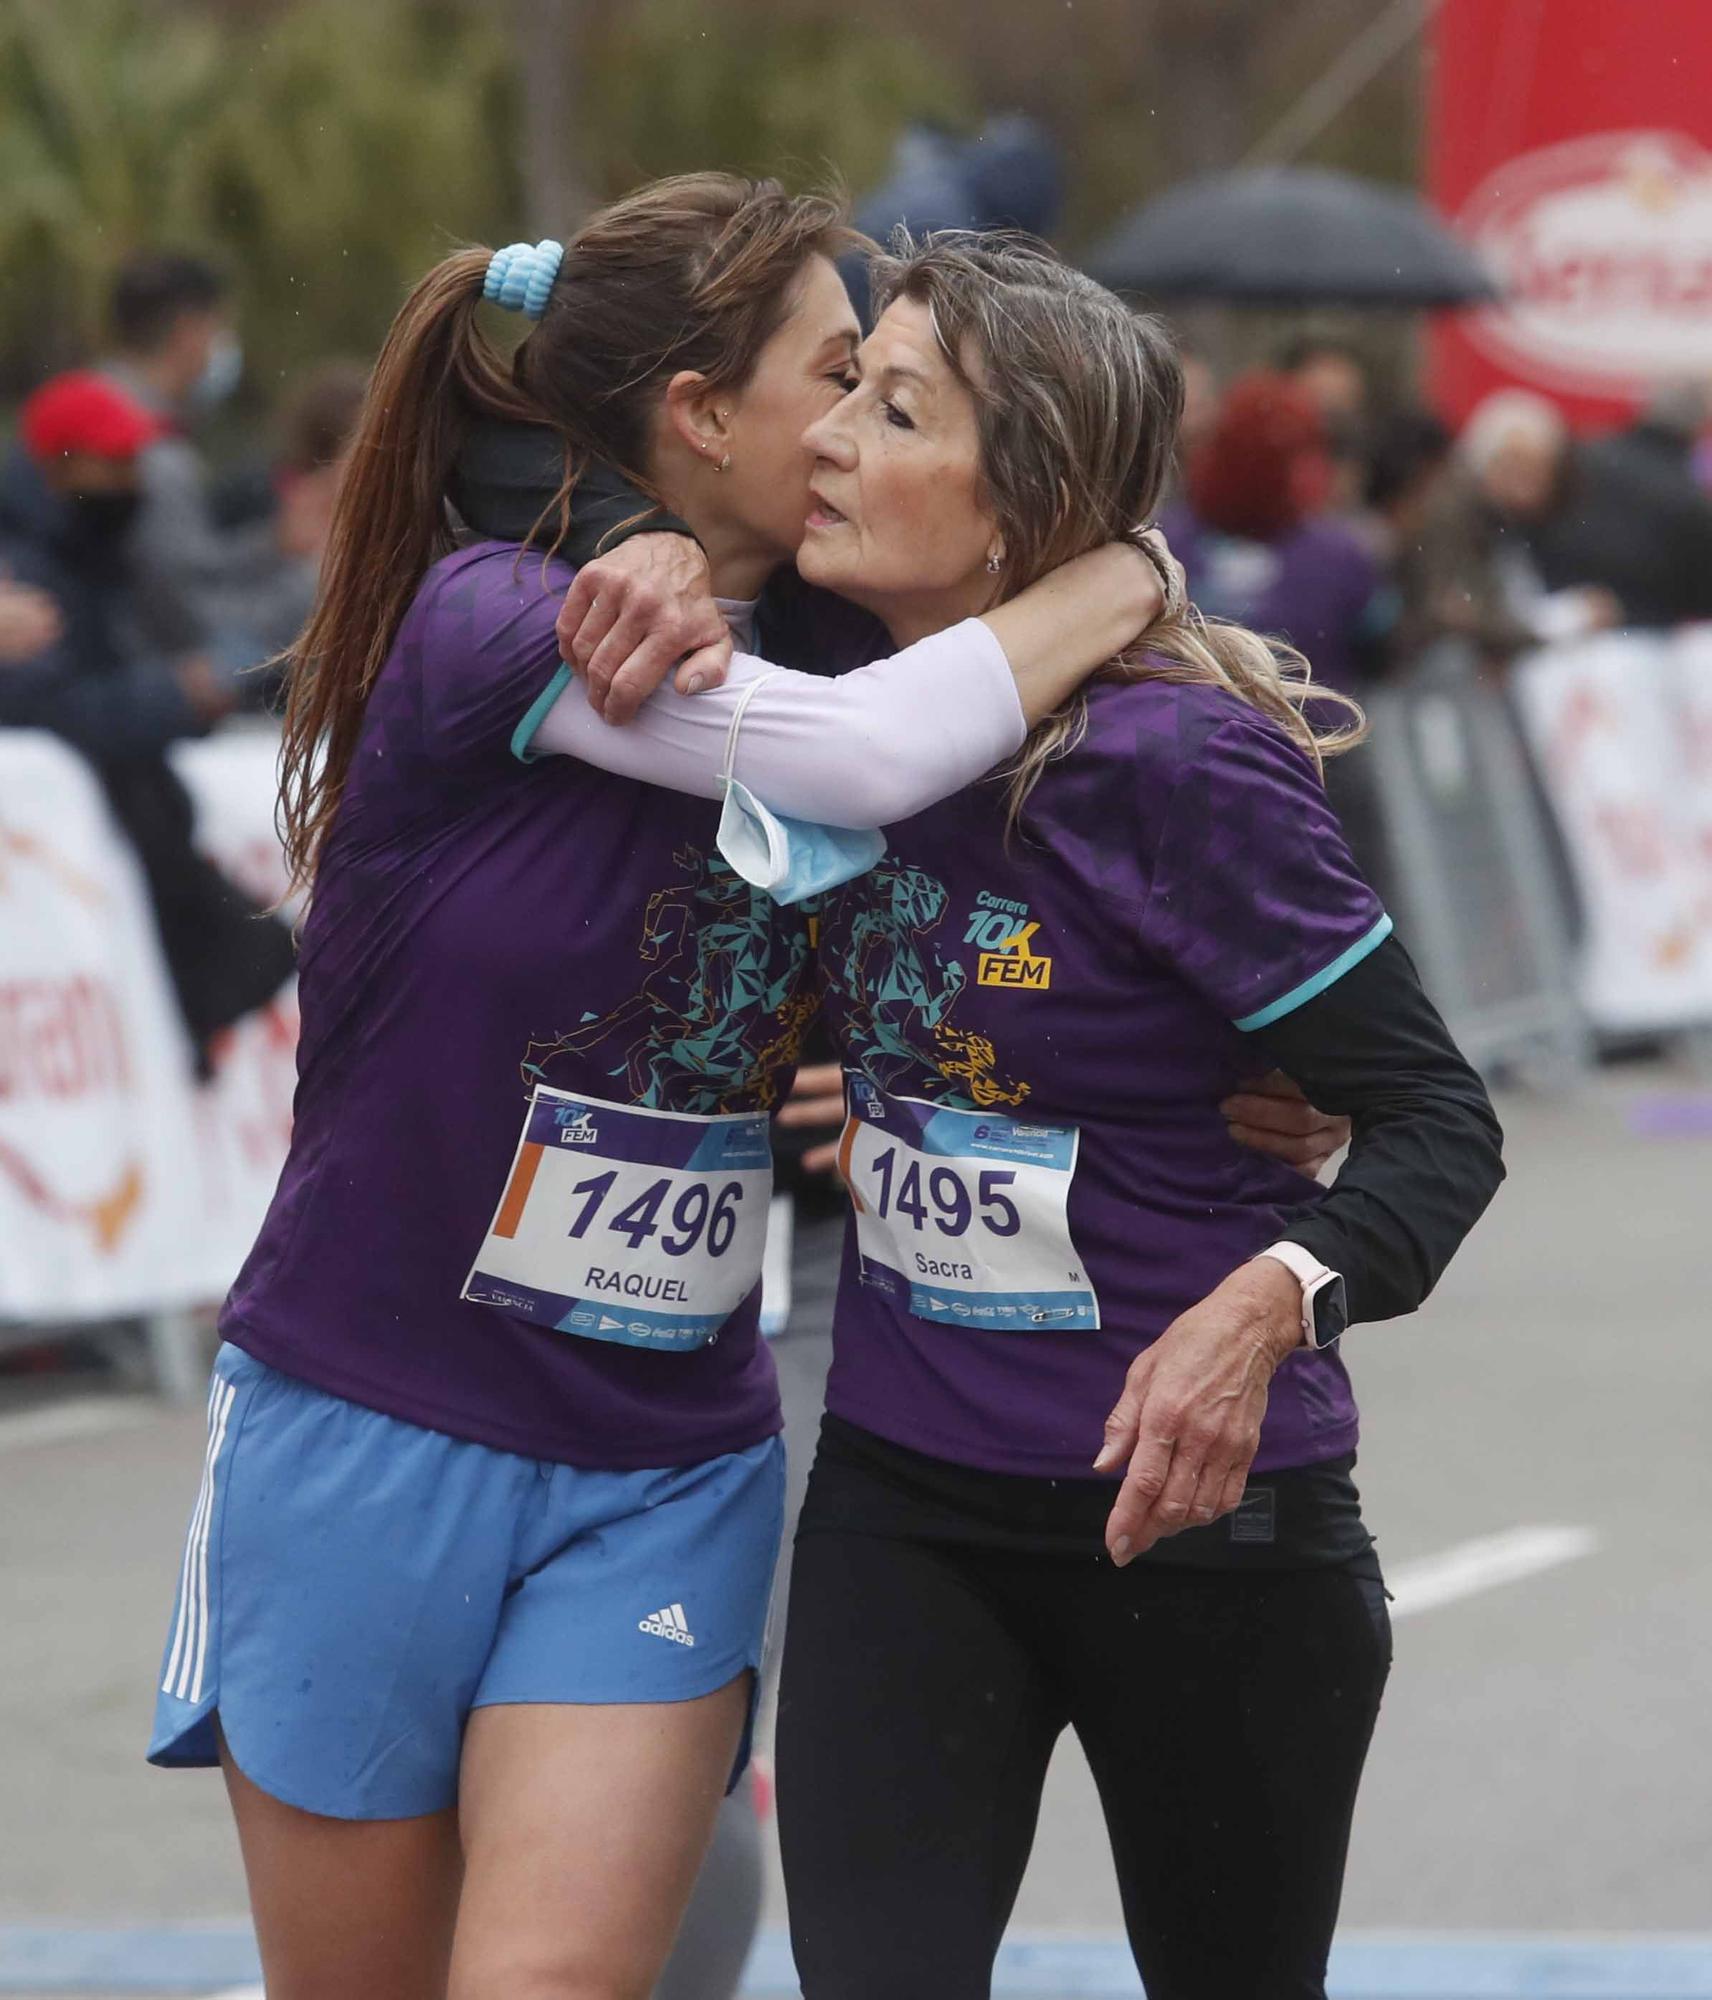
(328, 151)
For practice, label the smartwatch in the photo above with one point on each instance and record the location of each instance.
(1325, 1305)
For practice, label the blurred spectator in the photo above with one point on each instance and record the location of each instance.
(1333, 374)
(1200, 404)
(1015, 172)
(1258, 546)
(316, 428)
(1009, 176)
(69, 491)
(1601, 520)
(1666, 435)
(29, 621)
(1469, 571)
(1407, 466)
(200, 585)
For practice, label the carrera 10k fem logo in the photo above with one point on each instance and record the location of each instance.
(1000, 927)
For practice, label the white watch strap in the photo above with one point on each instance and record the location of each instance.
(1310, 1274)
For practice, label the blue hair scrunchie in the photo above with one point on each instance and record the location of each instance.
(520, 276)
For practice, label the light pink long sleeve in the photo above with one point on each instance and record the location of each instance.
(865, 750)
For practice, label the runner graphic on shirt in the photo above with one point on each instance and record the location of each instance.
(719, 1018)
(900, 993)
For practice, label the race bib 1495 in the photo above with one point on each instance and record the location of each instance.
(962, 1215)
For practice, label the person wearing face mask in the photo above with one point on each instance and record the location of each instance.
(70, 489)
(222, 589)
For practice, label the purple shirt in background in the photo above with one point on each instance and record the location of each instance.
(1317, 587)
(1182, 872)
(479, 924)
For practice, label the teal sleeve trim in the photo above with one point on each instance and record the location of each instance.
(1330, 975)
(536, 713)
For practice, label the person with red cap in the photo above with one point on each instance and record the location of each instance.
(1256, 536)
(68, 493)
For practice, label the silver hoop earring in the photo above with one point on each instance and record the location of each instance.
(995, 564)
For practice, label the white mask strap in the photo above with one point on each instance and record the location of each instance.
(743, 701)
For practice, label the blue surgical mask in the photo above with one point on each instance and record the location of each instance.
(792, 859)
(220, 372)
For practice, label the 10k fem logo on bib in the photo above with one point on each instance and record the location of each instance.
(629, 1225)
(962, 1215)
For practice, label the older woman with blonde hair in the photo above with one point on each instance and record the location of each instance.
(1088, 1455)
(1087, 1459)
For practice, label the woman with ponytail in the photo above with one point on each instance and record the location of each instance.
(471, 1605)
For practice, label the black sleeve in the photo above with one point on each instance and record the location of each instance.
(1426, 1155)
(507, 474)
(606, 510)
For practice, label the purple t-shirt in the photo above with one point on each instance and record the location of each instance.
(479, 925)
(1179, 882)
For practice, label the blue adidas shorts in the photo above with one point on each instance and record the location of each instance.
(352, 1586)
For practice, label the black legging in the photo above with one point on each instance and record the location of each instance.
(1225, 1716)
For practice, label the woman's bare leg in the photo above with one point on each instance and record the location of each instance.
(347, 1909)
(583, 1829)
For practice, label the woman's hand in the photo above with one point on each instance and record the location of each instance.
(1272, 1116)
(633, 615)
(1189, 1416)
(816, 1103)
(29, 621)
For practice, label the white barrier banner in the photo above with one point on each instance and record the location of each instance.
(96, 1125)
(125, 1187)
(244, 1114)
(1621, 730)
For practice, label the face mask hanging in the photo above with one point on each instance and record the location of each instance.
(791, 859)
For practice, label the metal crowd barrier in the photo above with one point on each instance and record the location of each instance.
(1472, 875)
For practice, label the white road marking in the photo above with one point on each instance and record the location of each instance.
(55, 1423)
(1483, 1564)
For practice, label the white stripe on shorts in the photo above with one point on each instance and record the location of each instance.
(183, 1624)
(190, 1640)
(202, 1552)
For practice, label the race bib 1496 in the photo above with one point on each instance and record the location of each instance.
(628, 1225)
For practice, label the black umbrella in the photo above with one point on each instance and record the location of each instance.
(1291, 236)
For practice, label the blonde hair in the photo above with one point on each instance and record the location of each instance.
(1078, 401)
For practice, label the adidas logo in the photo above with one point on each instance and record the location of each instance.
(668, 1624)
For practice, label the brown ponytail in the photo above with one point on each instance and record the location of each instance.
(696, 273)
(436, 370)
